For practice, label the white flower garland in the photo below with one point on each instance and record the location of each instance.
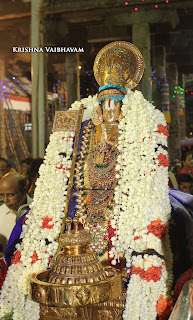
(43, 222)
(142, 194)
(147, 294)
(139, 175)
(142, 201)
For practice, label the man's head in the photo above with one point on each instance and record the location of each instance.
(185, 182)
(187, 160)
(33, 172)
(13, 190)
(25, 163)
(4, 167)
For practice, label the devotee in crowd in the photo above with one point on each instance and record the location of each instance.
(181, 232)
(185, 182)
(5, 167)
(14, 193)
(187, 164)
(177, 167)
(25, 163)
(32, 175)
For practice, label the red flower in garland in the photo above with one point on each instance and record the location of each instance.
(34, 257)
(111, 233)
(24, 220)
(50, 258)
(138, 270)
(163, 160)
(68, 138)
(16, 257)
(45, 223)
(163, 129)
(164, 307)
(152, 273)
(157, 228)
(59, 165)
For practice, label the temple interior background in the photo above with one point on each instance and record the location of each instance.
(36, 84)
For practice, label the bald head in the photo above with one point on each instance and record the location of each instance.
(14, 178)
(13, 190)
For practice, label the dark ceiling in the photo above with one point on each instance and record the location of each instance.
(92, 24)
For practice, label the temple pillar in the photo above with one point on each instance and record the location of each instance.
(174, 127)
(60, 86)
(71, 78)
(141, 39)
(160, 86)
(158, 74)
(78, 75)
(39, 92)
(2, 121)
(182, 107)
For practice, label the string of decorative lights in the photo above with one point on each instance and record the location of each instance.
(154, 3)
(189, 92)
(177, 89)
(7, 89)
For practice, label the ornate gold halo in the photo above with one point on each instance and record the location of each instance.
(119, 63)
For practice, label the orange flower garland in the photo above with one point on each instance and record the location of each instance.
(45, 223)
(158, 229)
(163, 160)
(163, 129)
(16, 257)
(164, 307)
(34, 257)
(152, 273)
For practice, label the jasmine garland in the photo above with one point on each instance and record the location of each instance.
(142, 210)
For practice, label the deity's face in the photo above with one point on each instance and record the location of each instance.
(111, 110)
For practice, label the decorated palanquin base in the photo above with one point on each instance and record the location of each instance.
(111, 310)
(140, 216)
(76, 279)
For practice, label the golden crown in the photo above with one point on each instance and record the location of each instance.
(119, 63)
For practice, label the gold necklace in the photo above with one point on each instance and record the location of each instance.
(95, 189)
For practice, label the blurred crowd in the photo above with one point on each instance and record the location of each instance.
(181, 175)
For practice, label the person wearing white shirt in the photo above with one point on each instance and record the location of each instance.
(13, 191)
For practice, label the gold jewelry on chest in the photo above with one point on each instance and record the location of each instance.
(96, 188)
